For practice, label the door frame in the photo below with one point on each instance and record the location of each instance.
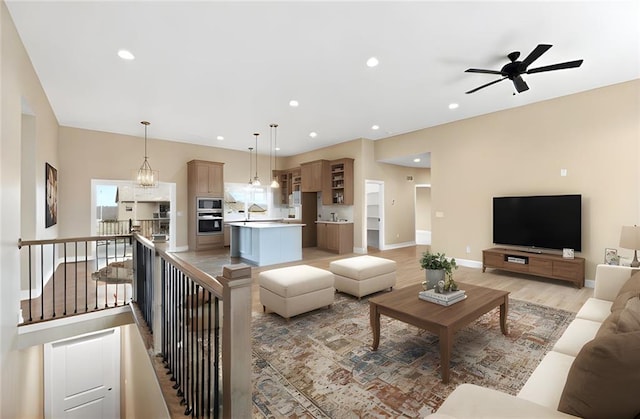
(381, 237)
(172, 203)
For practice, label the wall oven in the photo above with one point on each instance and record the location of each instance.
(209, 216)
(209, 222)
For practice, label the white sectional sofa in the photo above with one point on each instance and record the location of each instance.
(584, 374)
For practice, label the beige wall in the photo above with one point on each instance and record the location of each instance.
(594, 135)
(423, 208)
(20, 89)
(86, 155)
(141, 395)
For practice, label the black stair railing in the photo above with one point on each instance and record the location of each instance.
(201, 328)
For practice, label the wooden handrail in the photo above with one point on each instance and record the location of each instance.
(71, 240)
(203, 279)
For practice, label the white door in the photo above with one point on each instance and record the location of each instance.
(82, 376)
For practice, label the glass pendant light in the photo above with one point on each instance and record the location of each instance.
(147, 177)
(256, 180)
(274, 147)
(250, 165)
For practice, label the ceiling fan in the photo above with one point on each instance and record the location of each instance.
(515, 69)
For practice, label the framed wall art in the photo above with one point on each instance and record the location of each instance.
(611, 256)
(51, 190)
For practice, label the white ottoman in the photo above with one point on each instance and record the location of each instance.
(295, 289)
(363, 275)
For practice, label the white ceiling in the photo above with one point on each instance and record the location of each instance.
(206, 68)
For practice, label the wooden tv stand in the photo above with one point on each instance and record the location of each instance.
(540, 264)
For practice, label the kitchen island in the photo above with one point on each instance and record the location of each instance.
(266, 243)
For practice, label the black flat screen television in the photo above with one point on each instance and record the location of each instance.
(547, 222)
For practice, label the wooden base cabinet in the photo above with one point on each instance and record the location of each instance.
(539, 264)
(335, 237)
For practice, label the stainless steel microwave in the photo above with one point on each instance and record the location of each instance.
(206, 204)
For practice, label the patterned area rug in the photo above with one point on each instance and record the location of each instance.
(320, 364)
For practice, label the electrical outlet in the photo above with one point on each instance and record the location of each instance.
(468, 249)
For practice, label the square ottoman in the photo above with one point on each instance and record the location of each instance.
(295, 289)
(363, 275)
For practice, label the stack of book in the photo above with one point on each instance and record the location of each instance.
(445, 299)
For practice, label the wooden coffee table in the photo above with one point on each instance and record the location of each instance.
(403, 304)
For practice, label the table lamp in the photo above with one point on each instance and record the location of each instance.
(630, 239)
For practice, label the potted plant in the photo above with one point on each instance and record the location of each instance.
(438, 268)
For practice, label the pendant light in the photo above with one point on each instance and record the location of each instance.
(256, 180)
(274, 147)
(250, 165)
(147, 177)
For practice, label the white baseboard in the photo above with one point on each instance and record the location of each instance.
(469, 263)
(397, 245)
(360, 250)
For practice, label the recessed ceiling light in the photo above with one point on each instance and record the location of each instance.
(126, 55)
(372, 62)
(293, 103)
(416, 160)
(277, 148)
(219, 138)
(313, 134)
(374, 127)
(453, 106)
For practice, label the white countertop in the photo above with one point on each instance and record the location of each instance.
(264, 224)
(237, 219)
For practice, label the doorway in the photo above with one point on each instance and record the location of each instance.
(114, 202)
(374, 214)
(423, 213)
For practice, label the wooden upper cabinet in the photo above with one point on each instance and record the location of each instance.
(313, 175)
(339, 190)
(206, 178)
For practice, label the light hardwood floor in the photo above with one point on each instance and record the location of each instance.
(552, 293)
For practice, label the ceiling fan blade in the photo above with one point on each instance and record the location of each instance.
(535, 54)
(560, 66)
(485, 85)
(479, 70)
(520, 84)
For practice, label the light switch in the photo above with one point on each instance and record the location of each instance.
(439, 214)
(563, 172)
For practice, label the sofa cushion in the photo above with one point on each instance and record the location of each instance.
(472, 401)
(604, 378)
(579, 332)
(545, 384)
(630, 289)
(622, 321)
(594, 309)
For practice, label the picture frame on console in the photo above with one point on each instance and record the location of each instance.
(611, 256)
